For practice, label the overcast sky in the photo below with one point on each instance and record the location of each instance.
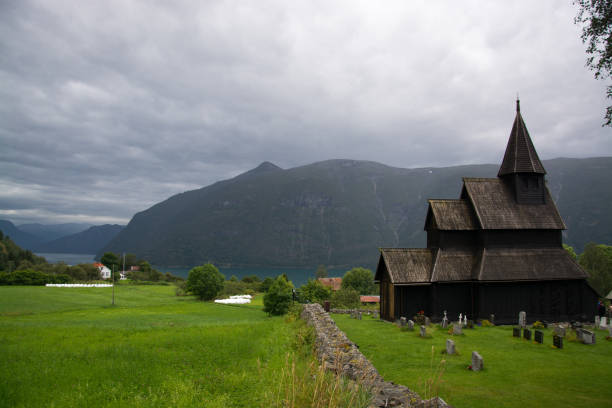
(109, 107)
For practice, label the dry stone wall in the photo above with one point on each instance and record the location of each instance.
(337, 353)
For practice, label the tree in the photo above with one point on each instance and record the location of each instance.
(597, 260)
(110, 260)
(595, 16)
(205, 281)
(360, 279)
(571, 252)
(345, 298)
(278, 298)
(314, 291)
(321, 272)
(265, 285)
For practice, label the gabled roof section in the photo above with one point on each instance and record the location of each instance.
(407, 266)
(528, 264)
(520, 156)
(451, 215)
(495, 207)
(454, 265)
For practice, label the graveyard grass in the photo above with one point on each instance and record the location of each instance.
(68, 347)
(517, 372)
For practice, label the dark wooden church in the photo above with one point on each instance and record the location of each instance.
(495, 250)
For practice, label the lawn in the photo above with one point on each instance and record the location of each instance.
(518, 373)
(68, 347)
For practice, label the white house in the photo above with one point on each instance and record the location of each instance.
(105, 273)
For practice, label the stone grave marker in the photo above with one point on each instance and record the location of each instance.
(492, 318)
(326, 306)
(464, 320)
(410, 324)
(450, 346)
(358, 315)
(526, 334)
(597, 321)
(603, 322)
(558, 341)
(516, 332)
(427, 321)
(610, 330)
(477, 363)
(470, 324)
(444, 322)
(522, 319)
(456, 328)
(423, 331)
(588, 337)
(403, 321)
(538, 336)
(560, 330)
(376, 315)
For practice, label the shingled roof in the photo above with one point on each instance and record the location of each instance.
(520, 156)
(451, 215)
(406, 266)
(454, 265)
(496, 208)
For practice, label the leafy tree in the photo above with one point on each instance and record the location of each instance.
(110, 260)
(251, 279)
(595, 16)
(597, 260)
(571, 252)
(345, 298)
(278, 298)
(265, 285)
(205, 281)
(360, 279)
(321, 272)
(314, 291)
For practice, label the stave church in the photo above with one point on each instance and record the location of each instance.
(496, 250)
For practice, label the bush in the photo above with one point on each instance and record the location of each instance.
(314, 291)
(278, 298)
(538, 325)
(345, 299)
(205, 281)
(486, 323)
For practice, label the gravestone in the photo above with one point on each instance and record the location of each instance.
(464, 320)
(444, 322)
(423, 331)
(516, 332)
(376, 315)
(538, 336)
(527, 334)
(492, 318)
(560, 330)
(460, 317)
(522, 319)
(427, 321)
(558, 341)
(410, 324)
(588, 337)
(610, 330)
(326, 306)
(603, 322)
(470, 324)
(450, 346)
(403, 321)
(358, 315)
(597, 321)
(456, 328)
(477, 363)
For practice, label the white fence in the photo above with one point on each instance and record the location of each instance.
(79, 285)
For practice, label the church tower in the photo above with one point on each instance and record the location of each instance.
(521, 167)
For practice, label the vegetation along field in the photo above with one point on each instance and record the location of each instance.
(517, 372)
(68, 347)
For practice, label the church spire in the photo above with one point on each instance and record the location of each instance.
(520, 156)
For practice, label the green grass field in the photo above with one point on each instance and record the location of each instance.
(518, 373)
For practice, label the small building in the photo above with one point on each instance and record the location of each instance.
(369, 300)
(497, 249)
(105, 273)
(333, 283)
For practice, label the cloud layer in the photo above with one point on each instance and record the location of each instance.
(107, 108)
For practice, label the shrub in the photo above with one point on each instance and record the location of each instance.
(278, 298)
(486, 323)
(360, 279)
(538, 325)
(205, 281)
(314, 291)
(345, 299)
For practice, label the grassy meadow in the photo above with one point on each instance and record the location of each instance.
(68, 347)
(517, 372)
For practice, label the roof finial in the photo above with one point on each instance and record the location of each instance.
(518, 103)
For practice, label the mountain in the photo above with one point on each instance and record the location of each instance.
(50, 232)
(21, 238)
(89, 241)
(337, 213)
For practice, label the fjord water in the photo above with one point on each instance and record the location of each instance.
(298, 276)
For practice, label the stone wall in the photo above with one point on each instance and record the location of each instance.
(337, 353)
